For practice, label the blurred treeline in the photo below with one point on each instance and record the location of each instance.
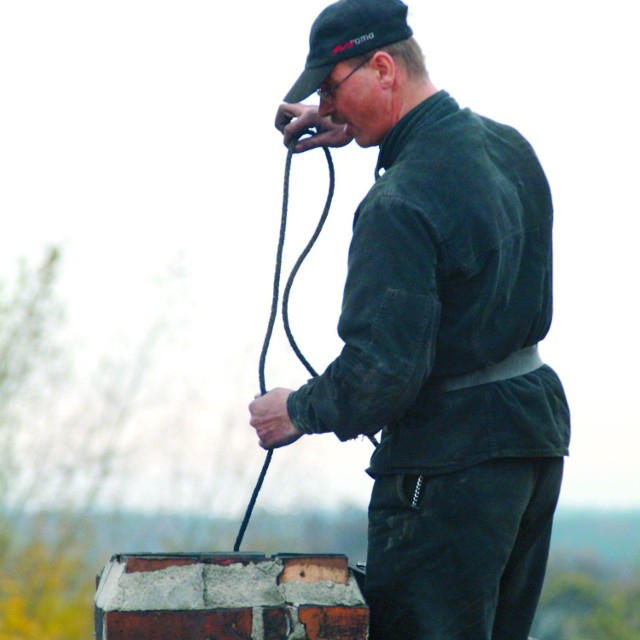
(56, 458)
(592, 591)
(58, 451)
(71, 415)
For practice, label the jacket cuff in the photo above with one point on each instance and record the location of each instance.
(296, 413)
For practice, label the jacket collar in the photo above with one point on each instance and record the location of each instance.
(424, 115)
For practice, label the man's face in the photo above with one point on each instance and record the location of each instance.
(355, 98)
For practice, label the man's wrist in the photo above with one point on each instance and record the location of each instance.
(296, 419)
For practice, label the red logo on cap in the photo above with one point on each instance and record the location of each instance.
(351, 43)
(342, 47)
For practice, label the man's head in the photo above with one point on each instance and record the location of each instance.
(348, 29)
(371, 93)
(366, 82)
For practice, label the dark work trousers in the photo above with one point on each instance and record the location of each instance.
(466, 563)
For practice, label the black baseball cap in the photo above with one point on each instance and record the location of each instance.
(347, 29)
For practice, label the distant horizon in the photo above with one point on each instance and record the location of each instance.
(610, 537)
(345, 508)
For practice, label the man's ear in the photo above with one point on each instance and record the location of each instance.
(385, 67)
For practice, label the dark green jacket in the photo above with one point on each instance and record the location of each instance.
(449, 270)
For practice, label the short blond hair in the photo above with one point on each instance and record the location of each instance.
(408, 52)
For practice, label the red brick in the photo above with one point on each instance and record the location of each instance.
(229, 624)
(136, 563)
(314, 569)
(334, 623)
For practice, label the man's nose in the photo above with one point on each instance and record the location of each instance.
(326, 108)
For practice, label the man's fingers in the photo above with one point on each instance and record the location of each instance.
(286, 114)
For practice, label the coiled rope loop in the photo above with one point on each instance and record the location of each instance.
(285, 309)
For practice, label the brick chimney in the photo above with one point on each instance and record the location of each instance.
(227, 596)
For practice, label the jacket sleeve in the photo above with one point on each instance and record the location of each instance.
(389, 322)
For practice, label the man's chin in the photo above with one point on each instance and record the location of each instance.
(364, 142)
(362, 139)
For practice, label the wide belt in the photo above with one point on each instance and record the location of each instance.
(517, 364)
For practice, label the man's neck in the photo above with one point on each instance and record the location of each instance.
(414, 94)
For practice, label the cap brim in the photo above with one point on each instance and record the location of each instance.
(310, 80)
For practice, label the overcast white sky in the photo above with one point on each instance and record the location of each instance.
(139, 136)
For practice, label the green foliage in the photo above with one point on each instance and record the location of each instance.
(53, 451)
(588, 604)
(45, 595)
(44, 586)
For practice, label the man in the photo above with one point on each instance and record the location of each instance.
(448, 293)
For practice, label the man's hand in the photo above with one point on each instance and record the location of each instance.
(292, 120)
(270, 419)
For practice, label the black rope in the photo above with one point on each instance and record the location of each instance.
(298, 264)
(274, 311)
(294, 273)
(285, 312)
(296, 268)
(252, 502)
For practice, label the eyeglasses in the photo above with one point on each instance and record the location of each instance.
(330, 92)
